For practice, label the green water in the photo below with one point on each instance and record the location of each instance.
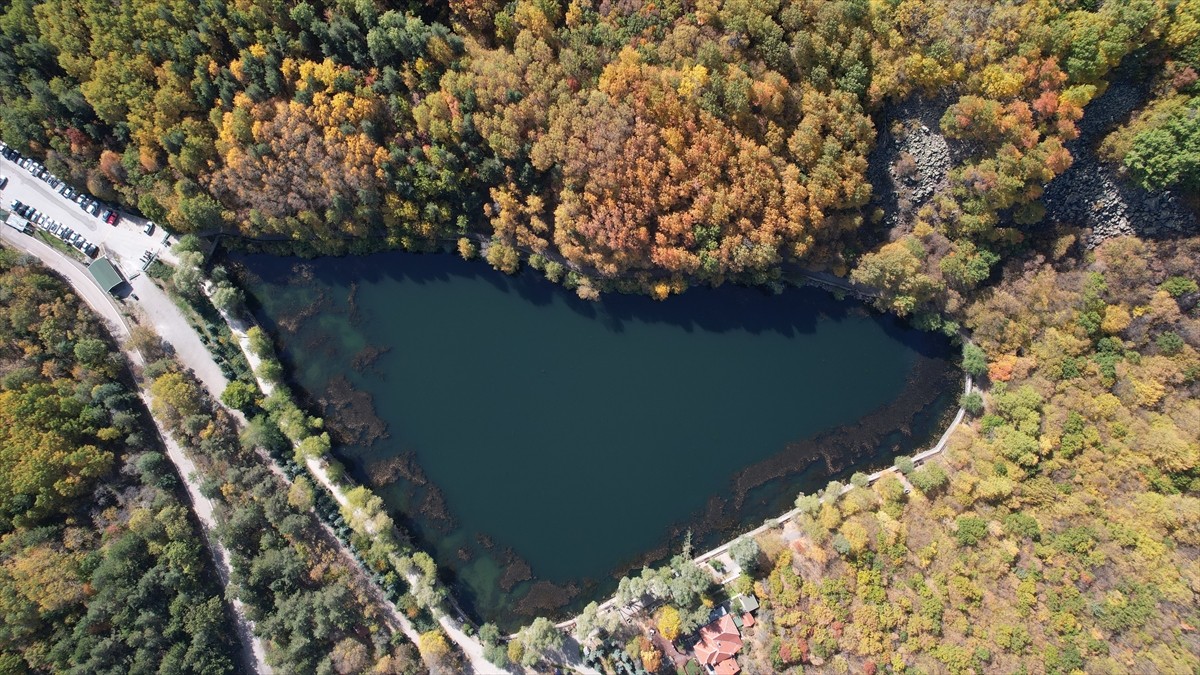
(580, 439)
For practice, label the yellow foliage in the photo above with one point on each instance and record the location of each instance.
(1000, 82)
(1147, 392)
(1116, 319)
(693, 81)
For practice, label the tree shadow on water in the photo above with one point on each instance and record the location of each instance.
(795, 311)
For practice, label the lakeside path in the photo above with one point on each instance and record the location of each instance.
(703, 560)
(254, 655)
(471, 648)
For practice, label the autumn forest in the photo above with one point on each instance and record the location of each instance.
(646, 146)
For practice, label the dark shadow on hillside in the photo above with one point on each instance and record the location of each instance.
(1093, 192)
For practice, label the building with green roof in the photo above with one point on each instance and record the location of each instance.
(106, 275)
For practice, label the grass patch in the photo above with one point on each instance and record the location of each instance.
(62, 246)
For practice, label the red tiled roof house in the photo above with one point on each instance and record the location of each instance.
(719, 642)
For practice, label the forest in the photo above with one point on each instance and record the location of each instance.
(644, 147)
(102, 568)
(630, 145)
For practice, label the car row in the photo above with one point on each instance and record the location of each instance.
(84, 201)
(35, 168)
(44, 222)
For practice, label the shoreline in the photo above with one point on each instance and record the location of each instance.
(804, 461)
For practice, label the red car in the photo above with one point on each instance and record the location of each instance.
(112, 218)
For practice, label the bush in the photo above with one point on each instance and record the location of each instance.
(860, 479)
(904, 464)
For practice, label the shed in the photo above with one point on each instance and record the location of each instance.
(748, 602)
(107, 277)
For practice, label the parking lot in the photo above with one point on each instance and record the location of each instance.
(125, 243)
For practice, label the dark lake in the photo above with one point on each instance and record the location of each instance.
(539, 445)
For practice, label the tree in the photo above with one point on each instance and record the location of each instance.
(651, 659)
(188, 274)
(1168, 155)
(970, 530)
(668, 622)
(90, 351)
(929, 478)
(435, 647)
(744, 551)
(239, 395)
(972, 402)
(974, 360)
(538, 638)
(228, 298)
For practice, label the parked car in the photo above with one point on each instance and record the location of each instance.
(112, 218)
(91, 250)
(149, 229)
(3, 182)
(16, 204)
(66, 233)
(54, 228)
(95, 210)
(41, 220)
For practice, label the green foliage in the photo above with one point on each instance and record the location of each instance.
(1169, 343)
(1179, 286)
(972, 402)
(929, 479)
(1168, 155)
(239, 395)
(81, 584)
(970, 530)
(974, 360)
(744, 552)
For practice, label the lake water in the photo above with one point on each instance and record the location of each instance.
(539, 445)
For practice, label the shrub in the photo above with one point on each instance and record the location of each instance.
(904, 464)
(860, 479)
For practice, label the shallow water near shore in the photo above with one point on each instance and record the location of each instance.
(539, 445)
